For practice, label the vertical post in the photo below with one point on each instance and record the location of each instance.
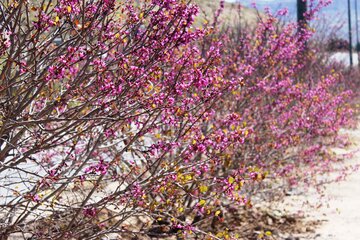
(357, 32)
(350, 35)
(356, 22)
(301, 10)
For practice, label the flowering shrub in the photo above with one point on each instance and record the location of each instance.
(290, 100)
(117, 112)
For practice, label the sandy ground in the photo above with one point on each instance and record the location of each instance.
(338, 206)
(342, 213)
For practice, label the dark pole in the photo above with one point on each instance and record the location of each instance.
(301, 10)
(350, 36)
(357, 31)
(356, 23)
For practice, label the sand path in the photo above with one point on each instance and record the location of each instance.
(342, 211)
(339, 208)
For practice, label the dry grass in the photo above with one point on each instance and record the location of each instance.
(232, 15)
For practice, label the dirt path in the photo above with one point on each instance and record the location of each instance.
(342, 213)
(339, 207)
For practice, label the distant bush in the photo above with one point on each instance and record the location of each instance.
(357, 47)
(337, 44)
